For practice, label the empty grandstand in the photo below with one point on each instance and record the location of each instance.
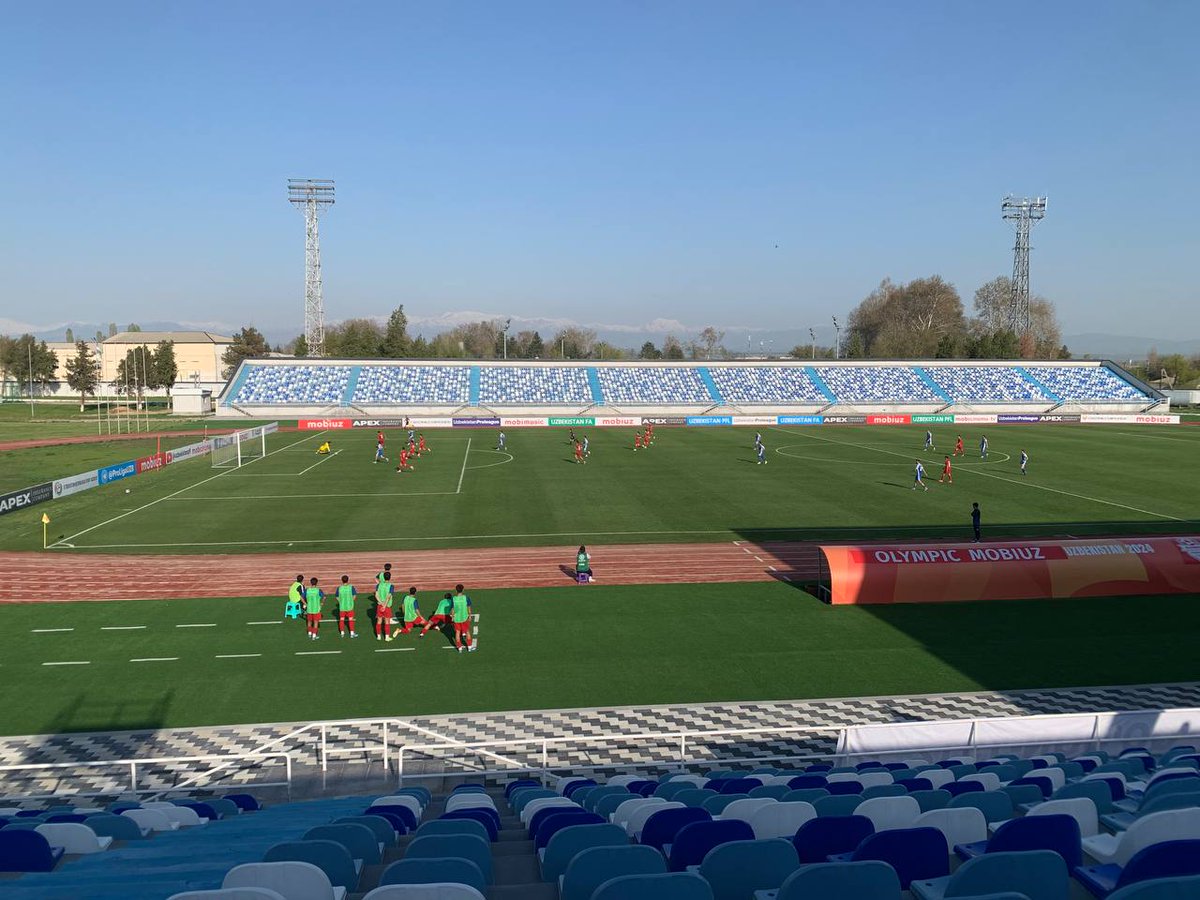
(283, 387)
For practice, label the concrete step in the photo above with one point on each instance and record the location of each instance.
(509, 870)
(538, 891)
(513, 848)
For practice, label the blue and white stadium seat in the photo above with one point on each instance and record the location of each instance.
(877, 384)
(665, 385)
(766, 385)
(515, 385)
(987, 384)
(1094, 384)
(413, 384)
(298, 384)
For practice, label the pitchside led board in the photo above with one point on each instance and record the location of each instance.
(1014, 570)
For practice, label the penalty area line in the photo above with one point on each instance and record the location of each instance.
(463, 473)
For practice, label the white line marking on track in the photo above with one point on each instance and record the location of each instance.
(772, 568)
(155, 659)
(74, 662)
(317, 652)
(122, 627)
(463, 473)
(50, 630)
(198, 625)
(759, 558)
(72, 537)
(236, 655)
(976, 471)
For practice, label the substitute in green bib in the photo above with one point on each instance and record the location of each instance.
(460, 614)
(441, 615)
(312, 608)
(295, 599)
(583, 565)
(345, 597)
(411, 612)
(383, 607)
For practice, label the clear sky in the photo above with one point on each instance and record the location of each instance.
(738, 163)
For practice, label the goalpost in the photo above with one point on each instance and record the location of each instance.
(231, 451)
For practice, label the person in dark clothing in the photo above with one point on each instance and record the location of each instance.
(975, 520)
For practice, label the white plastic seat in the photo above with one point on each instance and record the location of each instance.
(1168, 825)
(561, 785)
(182, 816)
(937, 777)
(961, 825)
(151, 819)
(889, 812)
(637, 821)
(1081, 809)
(542, 803)
(622, 780)
(625, 809)
(294, 880)
(239, 893)
(989, 780)
(469, 801)
(424, 892)
(412, 803)
(875, 778)
(746, 807)
(1056, 775)
(780, 820)
(73, 837)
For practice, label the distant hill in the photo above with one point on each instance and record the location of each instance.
(1120, 348)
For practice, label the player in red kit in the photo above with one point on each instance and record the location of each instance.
(649, 434)
(637, 442)
(579, 453)
(404, 461)
(947, 474)
(958, 447)
(421, 444)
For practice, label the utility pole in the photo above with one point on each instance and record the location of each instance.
(1023, 213)
(812, 335)
(837, 340)
(312, 196)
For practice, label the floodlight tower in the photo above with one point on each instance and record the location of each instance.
(1024, 213)
(312, 196)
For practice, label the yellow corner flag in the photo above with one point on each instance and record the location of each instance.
(45, 522)
(45, 519)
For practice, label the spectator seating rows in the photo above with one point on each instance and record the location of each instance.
(987, 384)
(516, 385)
(299, 384)
(666, 386)
(766, 385)
(877, 384)
(1095, 384)
(448, 385)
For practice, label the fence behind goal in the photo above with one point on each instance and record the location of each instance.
(237, 449)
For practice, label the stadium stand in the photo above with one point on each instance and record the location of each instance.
(585, 839)
(687, 385)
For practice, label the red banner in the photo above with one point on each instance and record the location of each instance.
(323, 424)
(152, 462)
(1013, 570)
(889, 420)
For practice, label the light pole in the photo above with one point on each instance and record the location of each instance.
(813, 337)
(506, 327)
(837, 340)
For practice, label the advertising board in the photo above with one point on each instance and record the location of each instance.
(126, 469)
(73, 484)
(30, 496)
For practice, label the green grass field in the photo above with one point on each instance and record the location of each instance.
(205, 662)
(694, 484)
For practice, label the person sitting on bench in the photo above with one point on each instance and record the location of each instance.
(583, 565)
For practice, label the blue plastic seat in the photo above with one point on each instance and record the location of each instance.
(774, 791)
(597, 794)
(1059, 833)
(842, 788)
(935, 799)
(807, 781)
(916, 783)
(818, 839)
(668, 789)
(867, 880)
(488, 818)
(66, 818)
(403, 813)
(591, 868)
(608, 805)
(119, 828)
(536, 820)
(883, 790)
(378, 826)
(915, 853)
(1034, 874)
(1163, 860)
(663, 825)
(359, 840)
(1186, 887)
(693, 841)
(26, 851)
(454, 826)
(716, 805)
(567, 842)
(553, 824)
(571, 789)
(524, 796)
(804, 795)
(644, 788)
(739, 786)
(442, 870)
(958, 788)
(520, 783)
(695, 797)
(245, 802)
(330, 857)
(669, 886)
(1171, 800)
(454, 846)
(1029, 795)
(736, 869)
(996, 806)
(1042, 783)
(382, 812)
(843, 805)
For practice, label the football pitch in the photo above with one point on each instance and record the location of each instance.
(832, 483)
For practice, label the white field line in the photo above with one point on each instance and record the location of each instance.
(236, 655)
(156, 659)
(463, 473)
(501, 462)
(272, 622)
(122, 627)
(976, 471)
(394, 649)
(50, 630)
(198, 625)
(76, 662)
(317, 652)
(319, 461)
(180, 491)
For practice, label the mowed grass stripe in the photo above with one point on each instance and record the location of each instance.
(573, 647)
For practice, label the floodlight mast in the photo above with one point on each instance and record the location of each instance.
(312, 196)
(1023, 213)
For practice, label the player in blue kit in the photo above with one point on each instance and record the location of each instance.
(929, 441)
(983, 447)
(919, 477)
(1024, 461)
(762, 455)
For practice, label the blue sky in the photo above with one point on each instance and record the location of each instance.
(754, 164)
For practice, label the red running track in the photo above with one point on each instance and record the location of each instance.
(39, 577)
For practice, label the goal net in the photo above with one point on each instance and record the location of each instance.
(230, 451)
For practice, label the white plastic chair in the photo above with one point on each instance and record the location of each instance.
(561, 785)
(937, 777)
(637, 821)
(746, 807)
(621, 815)
(964, 825)
(622, 780)
(1168, 825)
(405, 800)
(542, 803)
(780, 820)
(424, 892)
(889, 812)
(470, 801)
(240, 893)
(73, 837)
(1081, 809)
(151, 819)
(989, 780)
(874, 778)
(843, 776)
(294, 880)
(1056, 775)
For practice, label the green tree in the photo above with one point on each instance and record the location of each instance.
(83, 372)
(299, 346)
(396, 342)
(162, 369)
(907, 321)
(536, 349)
(573, 343)
(649, 351)
(354, 339)
(709, 343)
(671, 348)
(133, 371)
(28, 360)
(247, 344)
(70, 336)
(420, 347)
(112, 329)
(134, 327)
(854, 347)
(99, 335)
